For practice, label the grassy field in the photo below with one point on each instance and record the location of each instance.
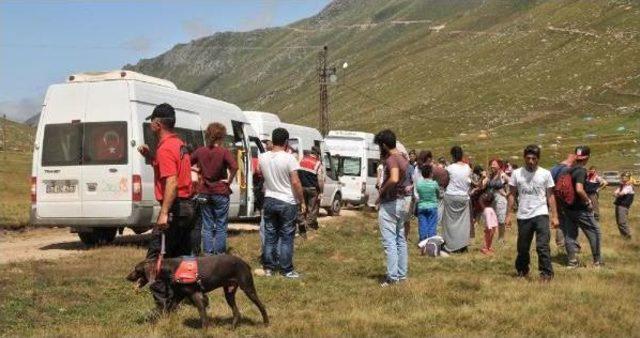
(338, 295)
(15, 173)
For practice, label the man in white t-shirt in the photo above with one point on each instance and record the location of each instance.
(534, 187)
(283, 192)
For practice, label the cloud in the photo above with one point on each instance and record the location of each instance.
(197, 28)
(140, 44)
(21, 110)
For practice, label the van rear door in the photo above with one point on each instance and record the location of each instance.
(59, 171)
(106, 172)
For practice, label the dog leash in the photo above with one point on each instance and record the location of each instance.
(162, 252)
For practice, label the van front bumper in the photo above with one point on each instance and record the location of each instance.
(141, 216)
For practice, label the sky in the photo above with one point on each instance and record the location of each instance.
(42, 42)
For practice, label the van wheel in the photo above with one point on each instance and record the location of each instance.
(336, 205)
(98, 236)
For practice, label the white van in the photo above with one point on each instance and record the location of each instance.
(358, 159)
(301, 140)
(86, 171)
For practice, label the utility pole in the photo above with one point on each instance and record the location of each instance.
(323, 76)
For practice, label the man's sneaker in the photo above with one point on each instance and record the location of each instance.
(292, 275)
(388, 282)
(598, 265)
(522, 274)
(444, 254)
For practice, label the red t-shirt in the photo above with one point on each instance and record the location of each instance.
(171, 160)
(214, 163)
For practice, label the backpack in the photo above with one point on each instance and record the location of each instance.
(564, 189)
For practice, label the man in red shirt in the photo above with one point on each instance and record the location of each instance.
(172, 186)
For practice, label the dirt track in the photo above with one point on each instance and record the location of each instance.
(45, 243)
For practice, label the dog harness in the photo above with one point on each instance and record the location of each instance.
(187, 271)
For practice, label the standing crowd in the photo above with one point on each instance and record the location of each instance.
(451, 197)
(454, 197)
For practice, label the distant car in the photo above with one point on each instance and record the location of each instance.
(612, 177)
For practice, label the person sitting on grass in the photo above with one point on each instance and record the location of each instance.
(490, 221)
(624, 197)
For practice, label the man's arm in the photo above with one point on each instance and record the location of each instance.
(297, 188)
(511, 199)
(603, 183)
(232, 164)
(551, 200)
(169, 196)
(583, 194)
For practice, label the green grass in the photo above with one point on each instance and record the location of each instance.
(338, 295)
(15, 174)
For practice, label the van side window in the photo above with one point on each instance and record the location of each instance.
(351, 166)
(194, 139)
(372, 168)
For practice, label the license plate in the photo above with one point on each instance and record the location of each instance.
(61, 187)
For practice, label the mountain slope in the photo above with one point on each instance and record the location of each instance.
(436, 70)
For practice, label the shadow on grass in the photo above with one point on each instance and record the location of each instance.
(128, 240)
(195, 323)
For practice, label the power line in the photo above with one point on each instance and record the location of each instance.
(103, 47)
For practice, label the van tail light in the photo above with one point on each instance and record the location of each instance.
(136, 188)
(364, 187)
(34, 189)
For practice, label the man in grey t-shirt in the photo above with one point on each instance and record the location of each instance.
(393, 209)
(283, 192)
(534, 187)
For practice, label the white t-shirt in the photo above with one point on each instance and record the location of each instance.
(459, 179)
(276, 168)
(532, 191)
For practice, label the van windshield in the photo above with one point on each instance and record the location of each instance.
(351, 166)
(93, 143)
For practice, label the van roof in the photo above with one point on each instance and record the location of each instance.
(260, 116)
(350, 134)
(298, 131)
(119, 75)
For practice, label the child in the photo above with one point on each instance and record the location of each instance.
(490, 221)
(624, 197)
(426, 193)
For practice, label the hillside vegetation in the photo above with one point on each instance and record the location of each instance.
(557, 73)
(15, 172)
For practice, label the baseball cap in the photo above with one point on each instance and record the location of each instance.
(582, 152)
(162, 111)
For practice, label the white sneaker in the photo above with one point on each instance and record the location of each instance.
(444, 254)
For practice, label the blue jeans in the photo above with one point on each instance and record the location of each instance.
(215, 219)
(279, 232)
(427, 222)
(391, 217)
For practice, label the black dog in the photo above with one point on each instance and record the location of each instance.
(229, 272)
